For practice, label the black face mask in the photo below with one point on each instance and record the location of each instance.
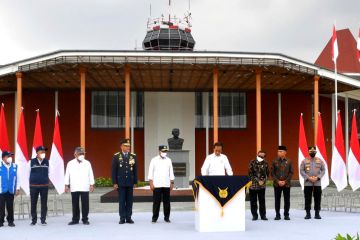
(312, 154)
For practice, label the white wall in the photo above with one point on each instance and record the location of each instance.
(164, 111)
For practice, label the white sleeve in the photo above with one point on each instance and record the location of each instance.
(172, 176)
(228, 167)
(151, 170)
(67, 175)
(205, 167)
(91, 175)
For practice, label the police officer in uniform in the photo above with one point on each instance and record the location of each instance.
(312, 169)
(124, 177)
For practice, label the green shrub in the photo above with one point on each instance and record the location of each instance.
(107, 182)
(348, 237)
(103, 182)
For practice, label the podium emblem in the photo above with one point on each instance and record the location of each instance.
(223, 193)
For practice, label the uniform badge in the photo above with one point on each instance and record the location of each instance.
(223, 193)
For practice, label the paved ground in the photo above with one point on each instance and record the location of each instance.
(105, 226)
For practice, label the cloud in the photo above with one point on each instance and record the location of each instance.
(296, 28)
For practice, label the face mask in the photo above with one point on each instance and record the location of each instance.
(81, 158)
(312, 154)
(259, 159)
(163, 154)
(42, 155)
(9, 160)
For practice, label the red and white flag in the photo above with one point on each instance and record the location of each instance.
(4, 139)
(21, 156)
(321, 152)
(338, 163)
(354, 157)
(334, 46)
(38, 140)
(358, 46)
(303, 148)
(56, 161)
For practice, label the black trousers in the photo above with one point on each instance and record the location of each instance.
(75, 199)
(158, 195)
(7, 200)
(255, 195)
(286, 192)
(310, 191)
(34, 195)
(125, 202)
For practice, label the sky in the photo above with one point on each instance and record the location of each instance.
(299, 29)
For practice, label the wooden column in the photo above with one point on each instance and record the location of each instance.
(258, 109)
(127, 102)
(215, 104)
(82, 105)
(19, 76)
(316, 106)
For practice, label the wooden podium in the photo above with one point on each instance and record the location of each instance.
(220, 214)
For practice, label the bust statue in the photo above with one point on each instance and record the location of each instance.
(175, 143)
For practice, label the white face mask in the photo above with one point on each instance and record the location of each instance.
(42, 155)
(81, 158)
(9, 160)
(163, 154)
(259, 159)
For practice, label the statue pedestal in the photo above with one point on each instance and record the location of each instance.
(180, 161)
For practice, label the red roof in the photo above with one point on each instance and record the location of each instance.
(347, 61)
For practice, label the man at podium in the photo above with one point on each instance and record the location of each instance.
(216, 164)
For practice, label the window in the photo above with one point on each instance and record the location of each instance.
(231, 108)
(108, 109)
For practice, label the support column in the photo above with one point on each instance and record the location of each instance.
(316, 105)
(215, 104)
(19, 77)
(127, 101)
(346, 127)
(279, 120)
(258, 109)
(82, 106)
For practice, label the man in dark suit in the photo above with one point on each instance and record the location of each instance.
(124, 177)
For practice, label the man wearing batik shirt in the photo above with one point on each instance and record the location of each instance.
(258, 173)
(282, 172)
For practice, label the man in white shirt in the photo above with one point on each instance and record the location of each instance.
(216, 163)
(161, 178)
(79, 179)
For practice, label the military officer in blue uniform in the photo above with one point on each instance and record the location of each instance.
(124, 177)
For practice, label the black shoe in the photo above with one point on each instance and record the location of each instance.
(255, 218)
(73, 223)
(122, 221)
(167, 220)
(264, 218)
(86, 222)
(130, 221)
(33, 223)
(153, 221)
(317, 215)
(308, 215)
(287, 218)
(277, 217)
(43, 223)
(11, 224)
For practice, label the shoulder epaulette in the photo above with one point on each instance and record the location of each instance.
(116, 153)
